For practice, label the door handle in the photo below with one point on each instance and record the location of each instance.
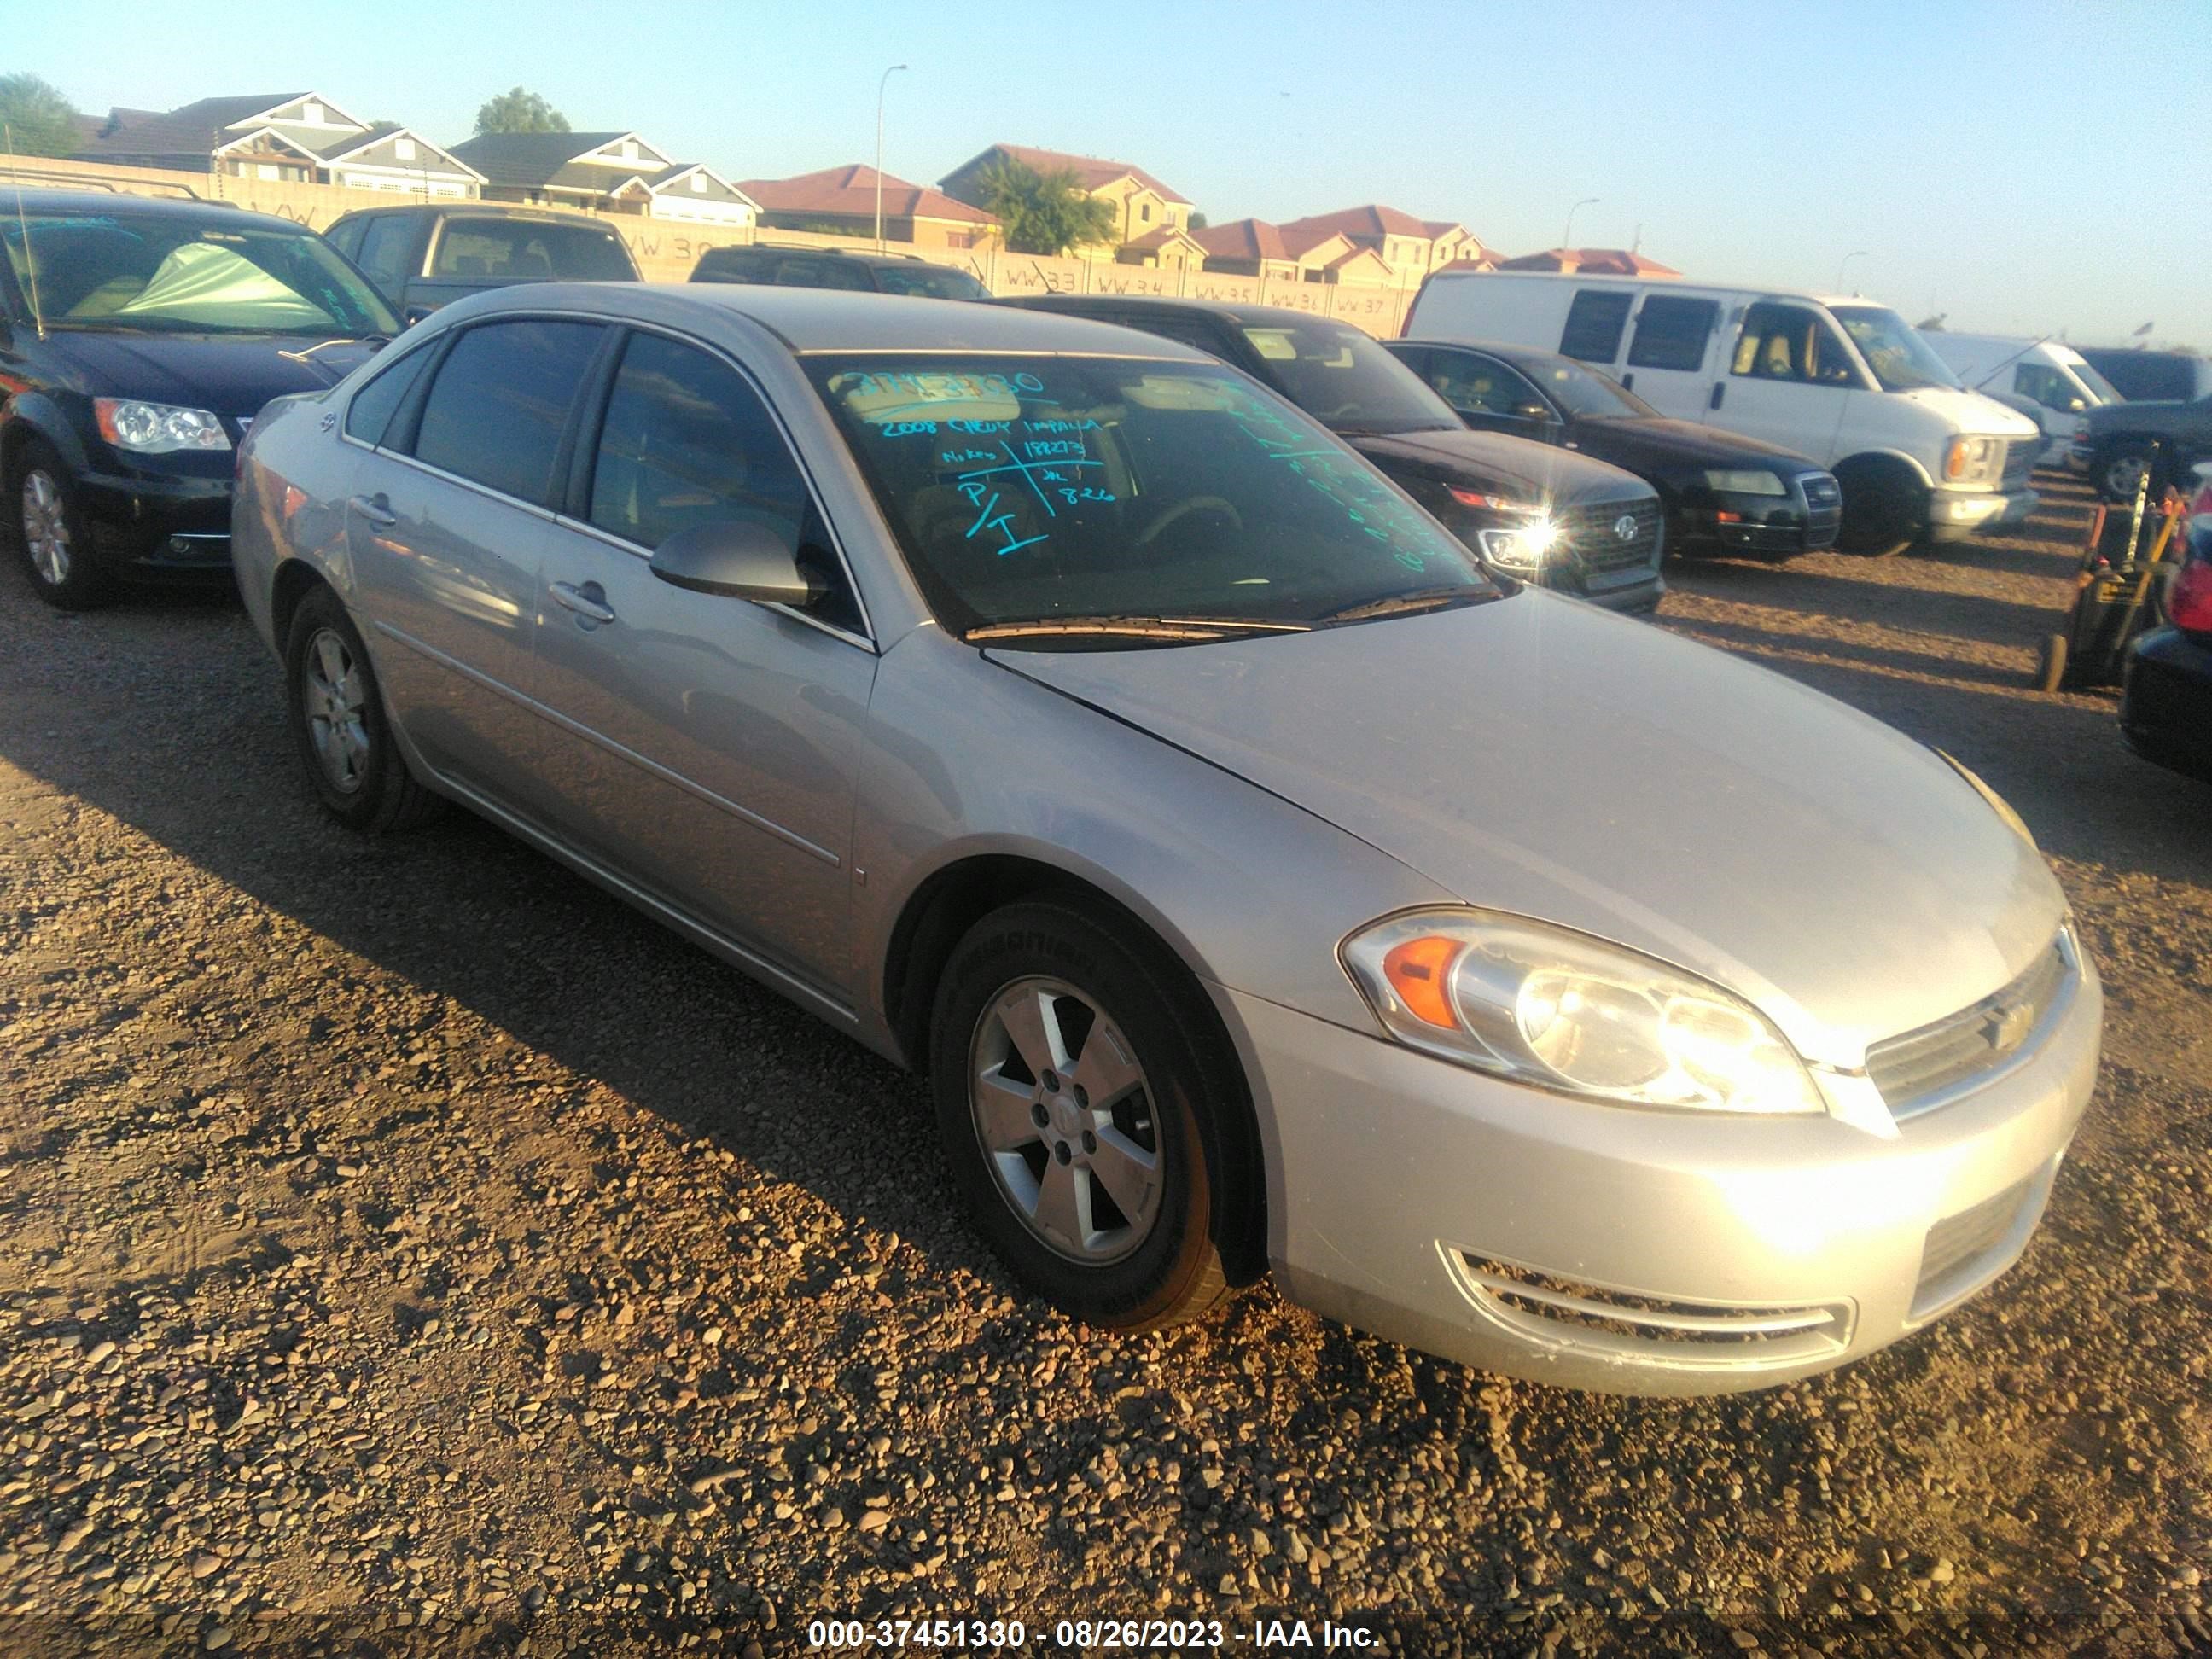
(589, 601)
(1720, 391)
(375, 508)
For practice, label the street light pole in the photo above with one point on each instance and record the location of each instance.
(1859, 253)
(1567, 236)
(880, 85)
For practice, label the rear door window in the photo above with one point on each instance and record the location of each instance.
(1594, 322)
(1671, 333)
(1481, 386)
(498, 409)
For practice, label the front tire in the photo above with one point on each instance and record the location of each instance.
(52, 531)
(1885, 511)
(1076, 1101)
(340, 726)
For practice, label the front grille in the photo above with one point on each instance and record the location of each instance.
(1964, 1251)
(1824, 508)
(1570, 1313)
(2021, 456)
(1918, 1070)
(1593, 534)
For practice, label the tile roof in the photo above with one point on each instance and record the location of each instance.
(1369, 219)
(850, 191)
(1161, 236)
(1242, 239)
(198, 129)
(533, 160)
(1091, 171)
(1598, 261)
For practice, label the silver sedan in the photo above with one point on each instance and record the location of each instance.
(1259, 882)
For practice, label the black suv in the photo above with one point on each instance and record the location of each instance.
(773, 265)
(425, 257)
(1724, 493)
(1530, 510)
(139, 339)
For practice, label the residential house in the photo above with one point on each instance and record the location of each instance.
(841, 202)
(1249, 248)
(1142, 202)
(302, 137)
(1163, 249)
(1453, 243)
(1409, 247)
(604, 172)
(1594, 261)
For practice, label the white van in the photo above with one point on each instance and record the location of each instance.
(2062, 384)
(1846, 382)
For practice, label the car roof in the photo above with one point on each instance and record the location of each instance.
(1511, 353)
(476, 209)
(117, 204)
(849, 256)
(821, 320)
(1264, 316)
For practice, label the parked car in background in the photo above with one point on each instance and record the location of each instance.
(1845, 382)
(2116, 442)
(2165, 710)
(427, 256)
(1258, 882)
(2167, 377)
(775, 265)
(139, 339)
(1532, 511)
(1722, 492)
(2055, 385)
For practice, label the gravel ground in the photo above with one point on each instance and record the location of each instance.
(405, 1249)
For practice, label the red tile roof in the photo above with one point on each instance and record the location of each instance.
(1597, 261)
(1242, 239)
(1091, 171)
(850, 191)
(1160, 237)
(1370, 219)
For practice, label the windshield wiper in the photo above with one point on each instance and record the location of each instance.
(1421, 598)
(1153, 628)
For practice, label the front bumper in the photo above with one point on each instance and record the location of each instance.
(1468, 1217)
(2165, 712)
(157, 526)
(1955, 515)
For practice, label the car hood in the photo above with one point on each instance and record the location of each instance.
(231, 374)
(1497, 464)
(1972, 412)
(1641, 444)
(1541, 757)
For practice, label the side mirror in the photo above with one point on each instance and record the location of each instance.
(735, 559)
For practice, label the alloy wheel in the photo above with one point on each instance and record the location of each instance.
(45, 527)
(2123, 475)
(332, 699)
(1066, 1120)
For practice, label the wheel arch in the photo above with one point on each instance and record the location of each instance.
(295, 579)
(1888, 459)
(952, 899)
(34, 417)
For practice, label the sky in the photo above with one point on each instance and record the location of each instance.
(2014, 166)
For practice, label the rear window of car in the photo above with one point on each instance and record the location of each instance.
(1594, 322)
(531, 249)
(930, 283)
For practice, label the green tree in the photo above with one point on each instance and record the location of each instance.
(519, 111)
(39, 116)
(1197, 220)
(1044, 212)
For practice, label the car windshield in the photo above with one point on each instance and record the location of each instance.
(1584, 394)
(2086, 372)
(142, 272)
(1343, 379)
(930, 283)
(1900, 359)
(1070, 503)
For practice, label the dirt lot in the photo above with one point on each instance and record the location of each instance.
(405, 1249)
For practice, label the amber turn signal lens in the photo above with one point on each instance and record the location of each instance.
(1419, 971)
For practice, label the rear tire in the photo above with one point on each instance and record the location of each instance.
(335, 710)
(2119, 470)
(1077, 1100)
(47, 526)
(1885, 510)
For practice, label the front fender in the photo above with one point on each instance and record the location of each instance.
(29, 413)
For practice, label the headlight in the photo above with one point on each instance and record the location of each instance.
(1998, 803)
(157, 429)
(1561, 1009)
(1519, 547)
(1973, 460)
(1747, 483)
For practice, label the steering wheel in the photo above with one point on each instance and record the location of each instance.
(1188, 504)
